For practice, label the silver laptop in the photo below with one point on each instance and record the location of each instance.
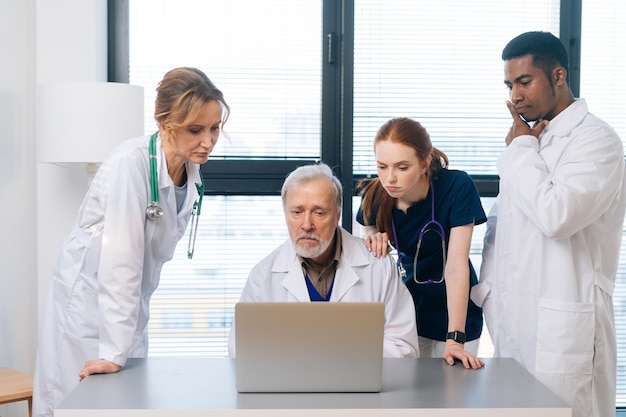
(309, 347)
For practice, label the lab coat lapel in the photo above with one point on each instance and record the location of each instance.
(294, 282)
(351, 256)
(564, 123)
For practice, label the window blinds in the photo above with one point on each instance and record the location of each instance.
(441, 66)
(602, 68)
(264, 56)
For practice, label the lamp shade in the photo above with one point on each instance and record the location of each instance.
(81, 122)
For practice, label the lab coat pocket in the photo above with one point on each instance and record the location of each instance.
(76, 307)
(565, 337)
(76, 292)
(71, 260)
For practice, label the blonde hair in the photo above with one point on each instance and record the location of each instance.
(180, 95)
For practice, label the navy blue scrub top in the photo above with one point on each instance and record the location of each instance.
(457, 203)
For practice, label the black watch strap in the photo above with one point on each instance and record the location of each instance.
(457, 336)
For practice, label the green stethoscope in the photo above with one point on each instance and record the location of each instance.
(154, 210)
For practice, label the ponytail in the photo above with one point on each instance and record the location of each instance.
(440, 160)
(374, 195)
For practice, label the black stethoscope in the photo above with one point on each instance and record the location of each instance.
(154, 210)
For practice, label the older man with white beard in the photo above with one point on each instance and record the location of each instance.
(321, 261)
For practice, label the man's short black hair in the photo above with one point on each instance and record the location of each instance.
(545, 48)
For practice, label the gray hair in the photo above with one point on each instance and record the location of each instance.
(308, 173)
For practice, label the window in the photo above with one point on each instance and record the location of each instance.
(441, 66)
(271, 81)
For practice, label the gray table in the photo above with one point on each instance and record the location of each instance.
(191, 387)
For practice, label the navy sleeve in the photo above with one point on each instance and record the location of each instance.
(372, 219)
(359, 216)
(466, 206)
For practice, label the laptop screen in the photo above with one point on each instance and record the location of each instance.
(309, 347)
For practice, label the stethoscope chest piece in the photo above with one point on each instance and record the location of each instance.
(154, 211)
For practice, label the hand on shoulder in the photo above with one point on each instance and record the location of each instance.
(378, 244)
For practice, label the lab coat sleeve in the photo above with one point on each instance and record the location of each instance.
(124, 195)
(253, 289)
(400, 339)
(577, 191)
(480, 291)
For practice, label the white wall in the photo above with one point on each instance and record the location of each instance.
(41, 41)
(71, 46)
(18, 257)
(17, 184)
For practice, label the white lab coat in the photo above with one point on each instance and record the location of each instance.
(359, 277)
(550, 258)
(107, 270)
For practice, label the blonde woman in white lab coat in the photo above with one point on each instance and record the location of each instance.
(98, 305)
(553, 238)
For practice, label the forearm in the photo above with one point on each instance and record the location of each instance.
(457, 291)
(456, 275)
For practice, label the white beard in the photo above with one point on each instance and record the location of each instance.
(309, 250)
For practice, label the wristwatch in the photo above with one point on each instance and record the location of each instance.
(457, 336)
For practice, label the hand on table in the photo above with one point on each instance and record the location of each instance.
(455, 351)
(98, 366)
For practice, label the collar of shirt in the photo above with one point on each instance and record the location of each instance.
(563, 123)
